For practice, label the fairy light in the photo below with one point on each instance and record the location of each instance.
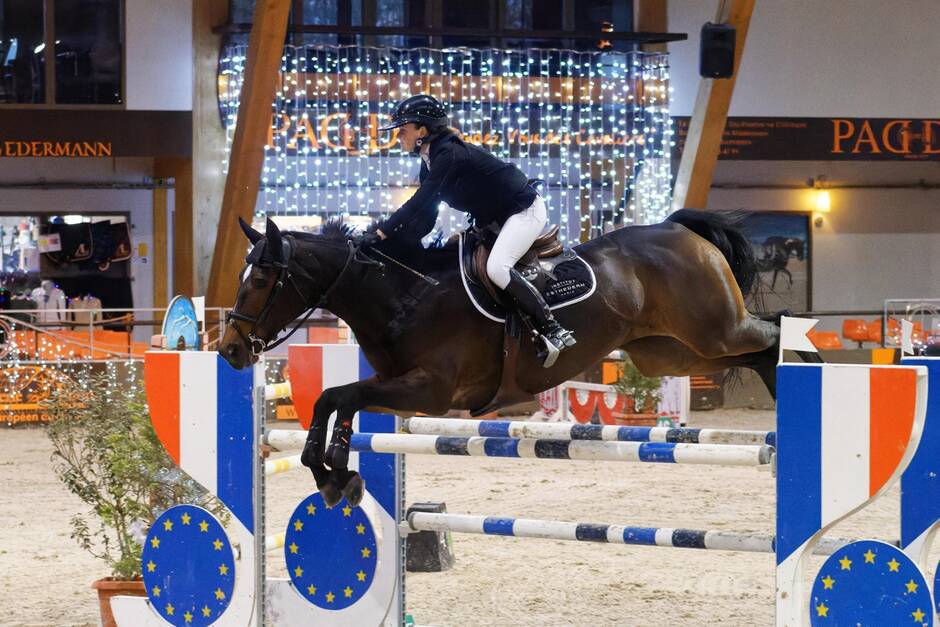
(594, 125)
(39, 364)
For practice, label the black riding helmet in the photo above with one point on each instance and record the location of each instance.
(420, 109)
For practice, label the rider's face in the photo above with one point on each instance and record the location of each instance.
(409, 134)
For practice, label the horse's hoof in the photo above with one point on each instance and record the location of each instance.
(331, 495)
(354, 489)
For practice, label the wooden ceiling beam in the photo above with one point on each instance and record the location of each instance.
(265, 48)
(703, 143)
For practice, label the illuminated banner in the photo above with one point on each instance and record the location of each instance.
(594, 125)
(341, 133)
(825, 139)
(94, 134)
(55, 149)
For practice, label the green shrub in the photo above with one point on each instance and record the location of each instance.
(107, 453)
(642, 389)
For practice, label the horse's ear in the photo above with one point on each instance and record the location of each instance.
(252, 235)
(273, 236)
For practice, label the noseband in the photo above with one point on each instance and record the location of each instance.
(257, 345)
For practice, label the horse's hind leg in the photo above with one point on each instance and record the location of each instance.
(666, 356)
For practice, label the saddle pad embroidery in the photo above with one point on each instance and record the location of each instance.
(574, 282)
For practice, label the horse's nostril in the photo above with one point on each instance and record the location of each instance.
(230, 350)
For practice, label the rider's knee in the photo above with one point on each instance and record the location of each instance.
(498, 272)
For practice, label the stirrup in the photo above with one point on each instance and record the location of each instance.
(548, 353)
(555, 341)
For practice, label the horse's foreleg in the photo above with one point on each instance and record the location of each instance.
(414, 391)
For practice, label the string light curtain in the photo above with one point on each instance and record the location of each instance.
(594, 126)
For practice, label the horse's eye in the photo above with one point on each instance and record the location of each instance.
(258, 281)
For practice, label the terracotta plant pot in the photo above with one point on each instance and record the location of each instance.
(636, 420)
(110, 587)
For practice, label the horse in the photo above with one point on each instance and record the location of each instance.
(777, 251)
(671, 295)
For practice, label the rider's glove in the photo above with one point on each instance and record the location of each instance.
(367, 239)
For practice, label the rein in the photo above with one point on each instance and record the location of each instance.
(257, 345)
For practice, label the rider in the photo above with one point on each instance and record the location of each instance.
(494, 192)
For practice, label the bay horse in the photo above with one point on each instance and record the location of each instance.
(671, 295)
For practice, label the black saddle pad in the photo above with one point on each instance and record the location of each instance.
(563, 281)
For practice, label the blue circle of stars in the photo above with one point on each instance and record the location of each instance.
(330, 552)
(870, 583)
(188, 566)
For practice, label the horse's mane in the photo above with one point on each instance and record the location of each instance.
(438, 255)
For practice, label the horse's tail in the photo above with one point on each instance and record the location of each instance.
(723, 230)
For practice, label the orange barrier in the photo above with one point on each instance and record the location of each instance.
(54, 345)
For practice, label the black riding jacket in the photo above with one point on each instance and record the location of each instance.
(469, 179)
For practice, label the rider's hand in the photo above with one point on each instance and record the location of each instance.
(368, 239)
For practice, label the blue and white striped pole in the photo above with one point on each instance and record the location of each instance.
(652, 452)
(574, 431)
(647, 452)
(611, 534)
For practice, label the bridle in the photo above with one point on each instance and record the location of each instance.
(257, 345)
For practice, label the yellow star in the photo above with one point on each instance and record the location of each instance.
(188, 617)
(347, 592)
(329, 597)
(168, 525)
(360, 529)
(151, 567)
(311, 589)
(822, 610)
(206, 611)
(170, 609)
(298, 525)
(869, 557)
(204, 527)
(185, 518)
(155, 542)
(298, 572)
(827, 582)
(293, 547)
(911, 586)
(223, 569)
(846, 563)
(366, 552)
(217, 544)
(918, 616)
(894, 565)
(347, 510)
(155, 591)
(219, 594)
(311, 509)
(361, 576)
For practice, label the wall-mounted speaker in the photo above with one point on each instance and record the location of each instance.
(716, 53)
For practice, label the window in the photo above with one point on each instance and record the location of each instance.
(82, 41)
(483, 15)
(22, 58)
(88, 52)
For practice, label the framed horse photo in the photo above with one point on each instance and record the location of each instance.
(782, 245)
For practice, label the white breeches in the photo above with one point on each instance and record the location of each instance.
(514, 239)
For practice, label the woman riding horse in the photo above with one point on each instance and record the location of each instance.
(495, 193)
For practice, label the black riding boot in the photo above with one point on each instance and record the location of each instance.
(527, 298)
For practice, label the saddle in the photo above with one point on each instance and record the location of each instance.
(536, 265)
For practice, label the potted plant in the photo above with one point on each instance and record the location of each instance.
(641, 395)
(106, 452)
